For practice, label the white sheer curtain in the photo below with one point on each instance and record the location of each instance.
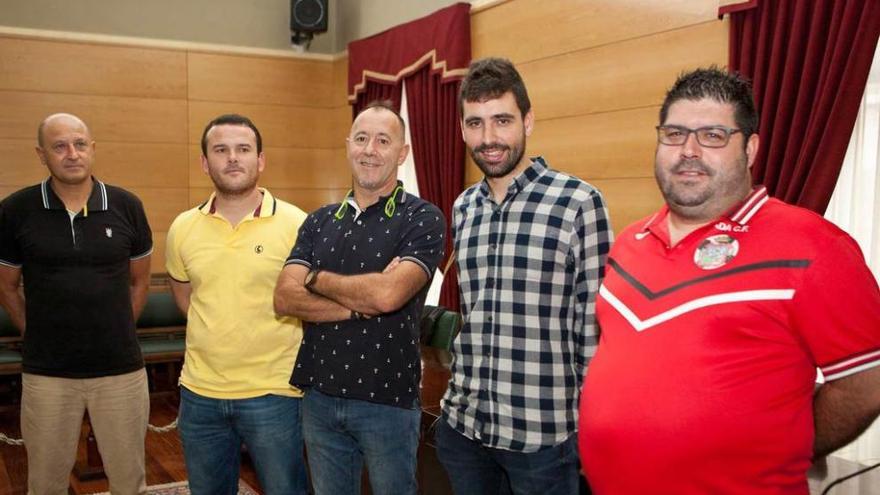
(407, 174)
(854, 207)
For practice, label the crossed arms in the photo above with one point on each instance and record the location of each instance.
(333, 296)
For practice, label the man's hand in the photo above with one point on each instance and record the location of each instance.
(374, 293)
(11, 297)
(293, 299)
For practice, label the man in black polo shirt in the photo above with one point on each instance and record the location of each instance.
(83, 249)
(357, 277)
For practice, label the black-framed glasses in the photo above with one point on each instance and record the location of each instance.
(715, 136)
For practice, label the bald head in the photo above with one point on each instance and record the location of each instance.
(61, 119)
(66, 148)
(384, 106)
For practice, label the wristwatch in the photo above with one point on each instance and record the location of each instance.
(311, 278)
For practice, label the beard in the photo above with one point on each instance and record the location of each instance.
(230, 186)
(677, 194)
(698, 200)
(495, 170)
(373, 184)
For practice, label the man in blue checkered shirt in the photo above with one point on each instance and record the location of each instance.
(530, 246)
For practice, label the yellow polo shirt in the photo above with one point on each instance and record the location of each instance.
(236, 346)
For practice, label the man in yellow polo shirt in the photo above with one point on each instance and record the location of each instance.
(224, 258)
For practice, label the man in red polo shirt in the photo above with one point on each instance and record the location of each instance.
(715, 313)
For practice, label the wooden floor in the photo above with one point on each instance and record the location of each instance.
(164, 454)
(164, 457)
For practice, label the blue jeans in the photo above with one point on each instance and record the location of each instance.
(342, 433)
(476, 469)
(212, 431)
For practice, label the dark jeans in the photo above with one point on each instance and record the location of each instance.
(212, 431)
(342, 433)
(475, 469)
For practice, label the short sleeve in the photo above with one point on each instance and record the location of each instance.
(173, 261)
(424, 240)
(142, 244)
(837, 310)
(10, 254)
(303, 251)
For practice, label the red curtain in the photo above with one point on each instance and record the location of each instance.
(376, 91)
(431, 55)
(438, 152)
(808, 62)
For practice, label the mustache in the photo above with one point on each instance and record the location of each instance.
(491, 147)
(692, 166)
(233, 169)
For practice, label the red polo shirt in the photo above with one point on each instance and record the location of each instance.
(704, 376)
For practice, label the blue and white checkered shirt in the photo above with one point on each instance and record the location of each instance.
(529, 270)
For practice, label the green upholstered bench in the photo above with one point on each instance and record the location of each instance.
(10, 346)
(444, 326)
(161, 329)
(10, 362)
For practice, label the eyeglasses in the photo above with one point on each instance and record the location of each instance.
(710, 137)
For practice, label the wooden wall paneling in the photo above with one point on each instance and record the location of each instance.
(263, 80)
(110, 118)
(7, 190)
(307, 168)
(310, 200)
(615, 144)
(521, 30)
(157, 259)
(157, 165)
(628, 74)
(629, 200)
(307, 200)
(288, 168)
(472, 174)
(21, 165)
(91, 69)
(339, 93)
(162, 204)
(282, 126)
(198, 195)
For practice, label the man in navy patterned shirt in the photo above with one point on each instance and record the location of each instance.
(357, 277)
(530, 244)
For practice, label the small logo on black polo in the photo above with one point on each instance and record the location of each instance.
(258, 248)
(108, 232)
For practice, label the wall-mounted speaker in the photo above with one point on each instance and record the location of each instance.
(308, 16)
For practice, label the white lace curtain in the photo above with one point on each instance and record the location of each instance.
(854, 208)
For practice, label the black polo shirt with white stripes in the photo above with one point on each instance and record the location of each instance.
(76, 276)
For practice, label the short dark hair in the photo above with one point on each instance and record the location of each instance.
(386, 105)
(490, 78)
(230, 119)
(721, 86)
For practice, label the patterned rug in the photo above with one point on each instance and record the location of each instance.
(182, 488)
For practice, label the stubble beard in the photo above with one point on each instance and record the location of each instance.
(708, 201)
(224, 187)
(515, 154)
